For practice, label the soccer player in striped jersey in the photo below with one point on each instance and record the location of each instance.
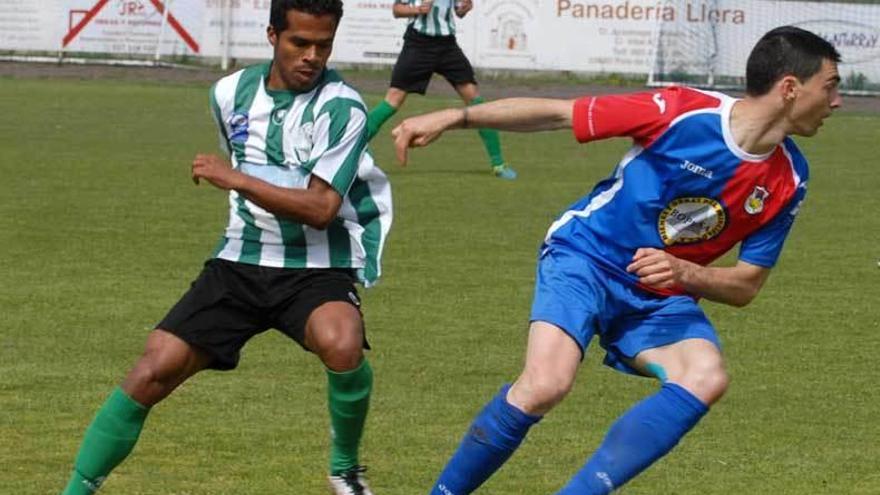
(629, 261)
(309, 212)
(429, 46)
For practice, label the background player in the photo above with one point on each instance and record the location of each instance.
(429, 46)
(629, 261)
(309, 212)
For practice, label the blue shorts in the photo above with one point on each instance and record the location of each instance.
(583, 299)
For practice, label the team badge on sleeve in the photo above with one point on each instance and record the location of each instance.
(755, 201)
(238, 127)
(688, 220)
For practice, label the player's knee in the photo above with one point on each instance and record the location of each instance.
(537, 393)
(153, 377)
(334, 332)
(343, 359)
(718, 383)
(707, 380)
(143, 375)
(340, 348)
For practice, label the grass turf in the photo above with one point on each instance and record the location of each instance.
(101, 231)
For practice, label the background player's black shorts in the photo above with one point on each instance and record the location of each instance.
(231, 302)
(423, 55)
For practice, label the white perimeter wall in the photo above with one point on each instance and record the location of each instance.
(588, 36)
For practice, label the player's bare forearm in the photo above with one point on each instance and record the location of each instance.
(736, 285)
(519, 115)
(510, 114)
(316, 206)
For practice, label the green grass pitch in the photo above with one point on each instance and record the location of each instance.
(101, 231)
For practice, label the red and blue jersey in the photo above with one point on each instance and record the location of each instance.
(685, 186)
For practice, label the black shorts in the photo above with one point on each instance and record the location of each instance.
(424, 55)
(231, 302)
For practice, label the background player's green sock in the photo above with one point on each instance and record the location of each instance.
(377, 117)
(491, 139)
(107, 442)
(349, 400)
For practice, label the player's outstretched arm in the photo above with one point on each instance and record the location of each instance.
(509, 114)
(736, 285)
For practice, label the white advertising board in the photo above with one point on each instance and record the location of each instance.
(369, 33)
(247, 24)
(725, 34)
(133, 26)
(568, 35)
(30, 25)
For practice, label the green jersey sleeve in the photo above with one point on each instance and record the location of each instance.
(339, 142)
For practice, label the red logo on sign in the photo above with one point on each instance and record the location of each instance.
(128, 7)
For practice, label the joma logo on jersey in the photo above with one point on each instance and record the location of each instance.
(238, 127)
(659, 101)
(755, 201)
(688, 220)
(696, 169)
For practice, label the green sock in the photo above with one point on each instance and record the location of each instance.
(349, 399)
(107, 442)
(491, 139)
(377, 117)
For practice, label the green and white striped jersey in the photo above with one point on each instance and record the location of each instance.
(439, 22)
(285, 137)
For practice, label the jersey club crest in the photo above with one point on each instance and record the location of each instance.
(755, 201)
(689, 220)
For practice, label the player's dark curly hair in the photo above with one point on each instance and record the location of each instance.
(278, 12)
(783, 51)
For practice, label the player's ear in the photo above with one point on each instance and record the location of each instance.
(789, 86)
(271, 35)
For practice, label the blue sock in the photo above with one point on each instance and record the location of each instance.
(642, 435)
(491, 439)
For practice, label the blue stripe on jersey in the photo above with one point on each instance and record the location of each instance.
(689, 159)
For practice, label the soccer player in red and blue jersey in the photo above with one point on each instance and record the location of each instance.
(628, 262)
